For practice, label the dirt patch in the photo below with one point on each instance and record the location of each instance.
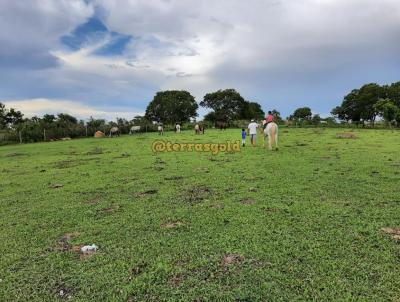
(95, 151)
(231, 259)
(346, 135)
(172, 225)
(174, 178)
(175, 280)
(217, 206)
(63, 244)
(394, 232)
(247, 201)
(203, 170)
(15, 154)
(146, 193)
(56, 186)
(63, 164)
(137, 270)
(111, 209)
(94, 201)
(197, 194)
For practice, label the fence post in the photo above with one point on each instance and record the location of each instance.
(44, 134)
(20, 137)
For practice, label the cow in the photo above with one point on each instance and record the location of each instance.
(221, 125)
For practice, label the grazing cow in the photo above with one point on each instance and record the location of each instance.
(272, 132)
(114, 131)
(221, 125)
(134, 129)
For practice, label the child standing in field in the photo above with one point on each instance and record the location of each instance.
(243, 137)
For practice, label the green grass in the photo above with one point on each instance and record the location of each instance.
(302, 223)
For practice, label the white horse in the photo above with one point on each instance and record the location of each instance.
(114, 131)
(272, 132)
(134, 129)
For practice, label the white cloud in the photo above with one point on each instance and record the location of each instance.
(38, 107)
(282, 53)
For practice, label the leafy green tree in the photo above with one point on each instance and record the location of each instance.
(227, 104)
(386, 109)
(13, 118)
(316, 119)
(359, 104)
(210, 117)
(48, 119)
(3, 116)
(393, 93)
(172, 106)
(302, 114)
(251, 110)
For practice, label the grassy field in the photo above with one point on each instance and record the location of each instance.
(303, 223)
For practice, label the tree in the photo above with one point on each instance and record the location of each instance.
(13, 118)
(359, 104)
(3, 116)
(48, 119)
(227, 104)
(172, 106)
(386, 109)
(393, 93)
(302, 114)
(316, 119)
(251, 110)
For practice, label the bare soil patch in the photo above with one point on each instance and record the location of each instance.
(95, 151)
(197, 194)
(147, 192)
(231, 259)
(172, 225)
(346, 135)
(247, 201)
(94, 201)
(394, 232)
(56, 186)
(174, 178)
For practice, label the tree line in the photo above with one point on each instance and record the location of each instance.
(361, 105)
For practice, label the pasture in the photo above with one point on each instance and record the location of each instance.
(303, 223)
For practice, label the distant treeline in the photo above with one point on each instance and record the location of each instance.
(360, 106)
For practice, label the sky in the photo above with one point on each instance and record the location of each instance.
(108, 58)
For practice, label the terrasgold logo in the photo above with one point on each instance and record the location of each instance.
(214, 148)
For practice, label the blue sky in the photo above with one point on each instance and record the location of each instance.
(107, 58)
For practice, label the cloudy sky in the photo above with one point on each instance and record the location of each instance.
(107, 58)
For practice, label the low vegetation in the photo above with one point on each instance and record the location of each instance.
(317, 220)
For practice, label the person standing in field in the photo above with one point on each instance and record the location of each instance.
(160, 129)
(253, 132)
(243, 137)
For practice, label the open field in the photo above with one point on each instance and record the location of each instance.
(303, 223)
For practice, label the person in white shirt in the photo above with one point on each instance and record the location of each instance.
(253, 132)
